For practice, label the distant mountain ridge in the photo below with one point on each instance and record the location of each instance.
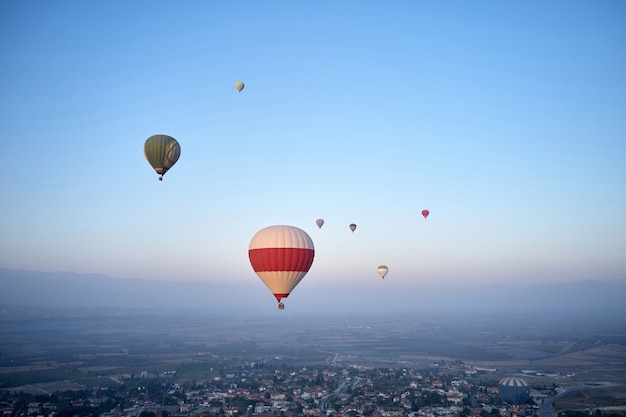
(22, 287)
(66, 289)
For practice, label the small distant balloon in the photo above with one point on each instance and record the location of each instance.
(425, 213)
(319, 222)
(353, 227)
(382, 271)
(239, 85)
(162, 152)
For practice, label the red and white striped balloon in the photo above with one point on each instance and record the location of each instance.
(281, 256)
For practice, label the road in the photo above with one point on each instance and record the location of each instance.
(547, 410)
(326, 400)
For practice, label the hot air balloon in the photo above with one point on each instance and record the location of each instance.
(319, 222)
(281, 256)
(382, 271)
(353, 227)
(162, 152)
(425, 213)
(239, 86)
(514, 391)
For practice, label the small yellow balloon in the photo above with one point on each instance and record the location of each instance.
(239, 86)
(382, 271)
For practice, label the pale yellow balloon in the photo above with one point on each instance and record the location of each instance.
(382, 271)
(239, 86)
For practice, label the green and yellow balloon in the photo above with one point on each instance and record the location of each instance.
(162, 152)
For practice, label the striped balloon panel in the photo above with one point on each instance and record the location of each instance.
(281, 237)
(512, 381)
(281, 259)
(281, 283)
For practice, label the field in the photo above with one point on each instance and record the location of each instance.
(608, 398)
(71, 348)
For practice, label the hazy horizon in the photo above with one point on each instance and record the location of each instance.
(588, 298)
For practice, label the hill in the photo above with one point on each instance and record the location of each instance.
(582, 299)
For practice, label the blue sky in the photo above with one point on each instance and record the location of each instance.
(504, 119)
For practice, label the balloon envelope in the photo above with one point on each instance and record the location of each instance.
(319, 222)
(353, 227)
(425, 213)
(514, 390)
(281, 256)
(382, 271)
(162, 152)
(239, 86)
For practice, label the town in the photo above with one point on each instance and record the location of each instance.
(260, 389)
